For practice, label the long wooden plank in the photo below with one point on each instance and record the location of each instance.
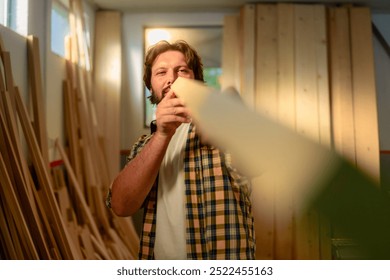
(35, 81)
(307, 243)
(10, 110)
(266, 60)
(5, 233)
(72, 134)
(286, 114)
(341, 83)
(321, 53)
(324, 111)
(364, 92)
(247, 57)
(266, 102)
(8, 192)
(306, 72)
(25, 198)
(286, 83)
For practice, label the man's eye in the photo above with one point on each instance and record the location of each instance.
(183, 70)
(159, 73)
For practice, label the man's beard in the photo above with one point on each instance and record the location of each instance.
(153, 98)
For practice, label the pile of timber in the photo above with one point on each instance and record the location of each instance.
(54, 212)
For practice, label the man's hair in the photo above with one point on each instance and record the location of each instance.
(192, 58)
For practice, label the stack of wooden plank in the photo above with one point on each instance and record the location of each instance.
(56, 212)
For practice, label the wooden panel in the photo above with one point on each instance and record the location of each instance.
(24, 199)
(35, 81)
(247, 61)
(325, 136)
(306, 72)
(286, 83)
(321, 53)
(364, 92)
(286, 115)
(307, 238)
(341, 83)
(266, 60)
(265, 102)
(230, 49)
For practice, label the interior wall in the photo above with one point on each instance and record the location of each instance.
(132, 100)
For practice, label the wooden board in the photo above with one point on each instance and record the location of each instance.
(265, 101)
(266, 60)
(341, 83)
(284, 244)
(364, 92)
(35, 81)
(286, 83)
(230, 60)
(9, 251)
(23, 195)
(321, 52)
(247, 57)
(9, 194)
(307, 115)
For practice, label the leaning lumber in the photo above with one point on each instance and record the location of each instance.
(35, 80)
(52, 212)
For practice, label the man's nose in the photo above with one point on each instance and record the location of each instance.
(172, 76)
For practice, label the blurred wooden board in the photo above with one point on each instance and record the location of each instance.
(342, 193)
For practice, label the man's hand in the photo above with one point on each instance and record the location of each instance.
(170, 114)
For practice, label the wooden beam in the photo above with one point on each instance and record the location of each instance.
(35, 81)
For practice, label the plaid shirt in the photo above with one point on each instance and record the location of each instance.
(219, 221)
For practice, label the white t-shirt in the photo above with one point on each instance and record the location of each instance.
(170, 240)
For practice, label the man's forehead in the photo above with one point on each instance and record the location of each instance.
(169, 57)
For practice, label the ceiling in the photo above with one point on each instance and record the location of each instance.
(215, 5)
